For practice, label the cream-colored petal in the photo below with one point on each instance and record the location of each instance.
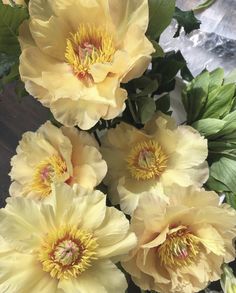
(78, 113)
(123, 135)
(85, 156)
(61, 143)
(210, 238)
(16, 189)
(131, 191)
(114, 238)
(22, 273)
(77, 206)
(113, 112)
(160, 121)
(103, 275)
(51, 36)
(118, 66)
(93, 158)
(157, 241)
(139, 49)
(22, 223)
(189, 142)
(137, 69)
(25, 37)
(85, 176)
(39, 92)
(191, 197)
(79, 138)
(41, 9)
(32, 149)
(181, 177)
(128, 12)
(89, 11)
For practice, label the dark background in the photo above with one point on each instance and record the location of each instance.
(16, 117)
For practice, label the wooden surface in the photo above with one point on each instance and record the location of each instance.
(16, 117)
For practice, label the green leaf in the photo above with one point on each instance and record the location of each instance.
(219, 101)
(216, 78)
(222, 148)
(204, 5)
(168, 66)
(6, 62)
(158, 50)
(230, 124)
(209, 126)
(231, 199)
(231, 77)
(218, 186)
(151, 86)
(186, 74)
(163, 103)
(13, 75)
(146, 108)
(160, 16)
(195, 96)
(10, 20)
(187, 20)
(224, 170)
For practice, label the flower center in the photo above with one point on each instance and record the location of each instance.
(89, 45)
(52, 169)
(147, 160)
(180, 248)
(67, 253)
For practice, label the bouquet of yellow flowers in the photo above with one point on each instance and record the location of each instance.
(112, 194)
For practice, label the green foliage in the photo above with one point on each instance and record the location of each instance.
(231, 199)
(165, 70)
(147, 94)
(160, 16)
(158, 50)
(6, 62)
(208, 96)
(204, 5)
(146, 108)
(10, 19)
(210, 104)
(163, 103)
(186, 20)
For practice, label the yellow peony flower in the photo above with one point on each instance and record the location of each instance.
(181, 245)
(143, 161)
(75, 54)
(65, 244)
(55, 155)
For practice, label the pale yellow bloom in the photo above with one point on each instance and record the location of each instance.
(65, 244)
(181, 245)
(143, 161)
(75, 54)
(54, 154)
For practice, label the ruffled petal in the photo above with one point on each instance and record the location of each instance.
(102, 277)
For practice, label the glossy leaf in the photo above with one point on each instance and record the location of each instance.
(160, 16)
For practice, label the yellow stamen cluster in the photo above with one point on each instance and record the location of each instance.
(89, 45)
(49, 170)
(180, 248)
(147, 160)
(67, 252)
